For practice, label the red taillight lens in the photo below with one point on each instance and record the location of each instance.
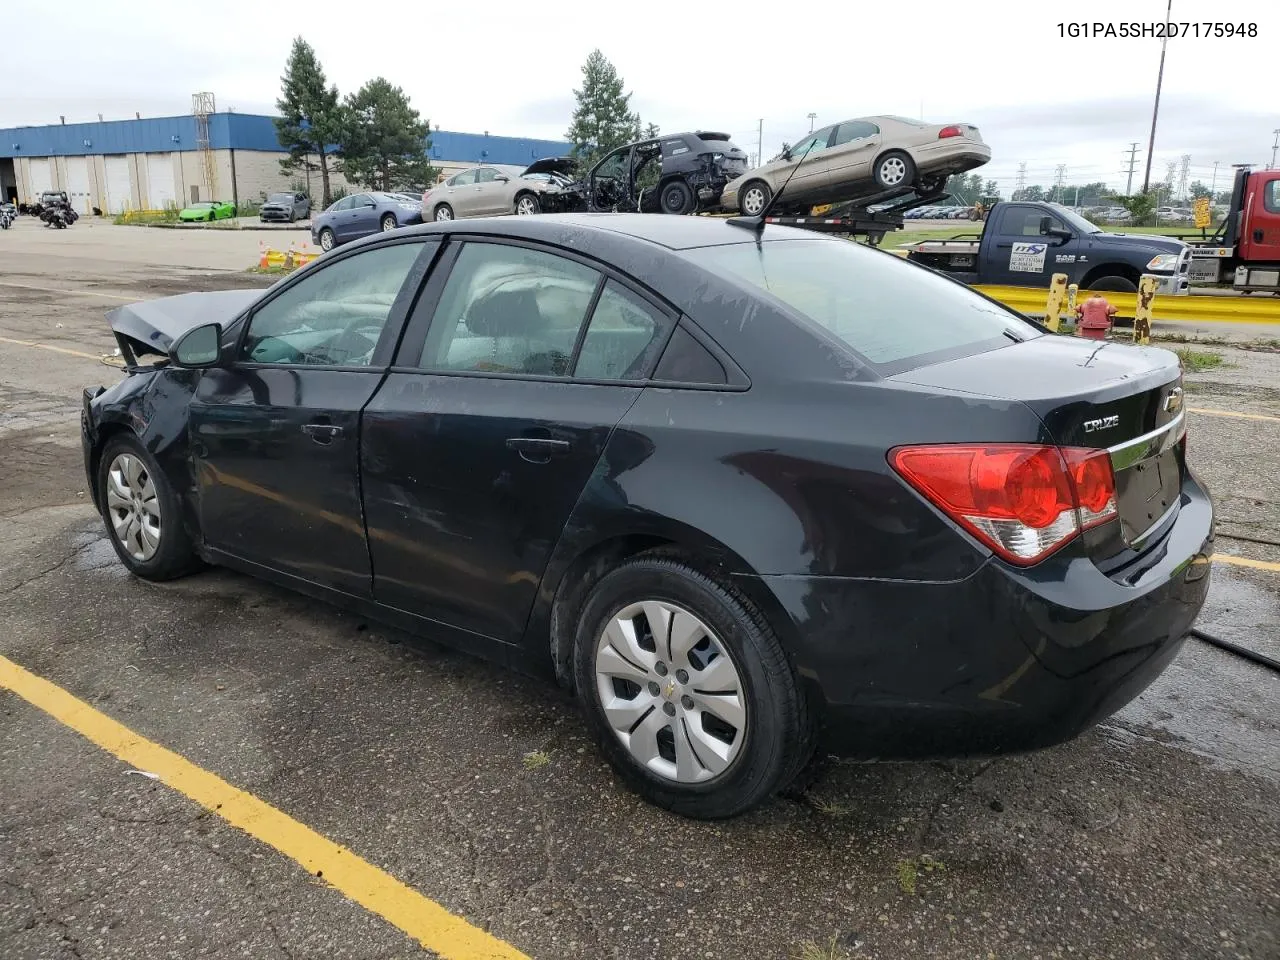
(951, 131)
(1023, 500)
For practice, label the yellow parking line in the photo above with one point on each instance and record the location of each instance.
(423, 919)
(48, 346)
(1246, 562)
(74, 293)
(1233, 413)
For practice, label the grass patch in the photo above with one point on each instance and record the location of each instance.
(828, 808)
(273, 271)
(1198, 360)
(812, 950)
(535, 759)
(910, 871)
(167, 215)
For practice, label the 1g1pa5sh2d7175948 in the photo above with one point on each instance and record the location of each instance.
(1159, 31)
(749, 495)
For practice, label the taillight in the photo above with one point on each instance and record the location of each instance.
(951, 131)
(1024, 501)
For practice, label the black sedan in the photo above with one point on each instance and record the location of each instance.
(749, 497)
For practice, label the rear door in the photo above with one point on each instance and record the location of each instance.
(460, 193)
(1260, 238)
(1018, 254)
(511, 376)
(852, 150)
(275, 434)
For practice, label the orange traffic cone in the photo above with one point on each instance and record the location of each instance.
(263, 263)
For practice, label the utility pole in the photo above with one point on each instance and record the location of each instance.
(1060, 187)
(1274, 147)
(1213, 195)
(1133, 163)
(1183, 174)
(812, 117)
(1155, 111)
(760, 143)
(1022, 180)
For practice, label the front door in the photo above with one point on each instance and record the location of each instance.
(490, 192)
(275, 434)
(809, 161)
(489, 426)
(1025, 257)
(1260, 236)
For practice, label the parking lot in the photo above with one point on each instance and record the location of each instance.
(1154, 835)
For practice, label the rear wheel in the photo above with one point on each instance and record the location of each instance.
(326, 239)
(388, 222)
(754, 197)
(143, 515)
(895, 169)
(676, 198)
(527, 205)
(689, 694)
(443, 212)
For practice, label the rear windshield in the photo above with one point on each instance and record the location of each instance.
(893, 314)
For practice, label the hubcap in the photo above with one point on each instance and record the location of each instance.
(753, 201)
(893, 171)
(388, 225)
(444, 214)
(133, 506)
(671, 692)
(326, 241)
(525, 207)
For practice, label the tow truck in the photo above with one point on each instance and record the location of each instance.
(1245, 250)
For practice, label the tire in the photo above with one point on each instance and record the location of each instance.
(894, 169)
(388, 222)
(1113, 283)
(676, 198)
(771, 738)
(126, 468)
(326, 240)
(754, 197)
(527, 204)
(442, 213)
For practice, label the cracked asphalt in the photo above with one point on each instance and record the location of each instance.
(1155, 835)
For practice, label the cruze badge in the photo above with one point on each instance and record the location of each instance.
(1102, 423)
(1173, 402)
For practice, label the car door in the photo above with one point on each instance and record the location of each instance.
(491, 422)
(490, 191)
(274, 434)
(1022, 255)
(301, 205)
(1260, 239)
(364, 216)
(809, 161)
(851, 155)
(344, 219)
(461, 193)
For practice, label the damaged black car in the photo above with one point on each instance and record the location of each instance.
(679, 173)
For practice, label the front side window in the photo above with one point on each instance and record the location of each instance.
(486, 175)
(335, 316)
(1024, 222)
(507, 309)
(891, 313)
(811, 144)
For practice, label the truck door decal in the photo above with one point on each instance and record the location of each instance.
(1027, 257)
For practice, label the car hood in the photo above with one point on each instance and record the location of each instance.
(1146, 241)
(151, 326)
(561, 165)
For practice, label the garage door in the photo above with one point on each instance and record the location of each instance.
(78, 183)
(160, 180)
(41, 177)
(119, 184)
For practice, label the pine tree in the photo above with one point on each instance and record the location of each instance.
(603, 119)
(385, 142)
(310, 120)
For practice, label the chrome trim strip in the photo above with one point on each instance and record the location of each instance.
(1132, 452)
(1140, 541)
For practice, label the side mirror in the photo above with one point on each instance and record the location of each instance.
(502, 178)
(1047, 229)
(786, 154)
(199, 347)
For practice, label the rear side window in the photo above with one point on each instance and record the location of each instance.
(891, 313)
(687, 361)
(623, 337)
(1271, 199)
(507, 309)
(462, 179)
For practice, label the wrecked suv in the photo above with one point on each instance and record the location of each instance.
(679, 173)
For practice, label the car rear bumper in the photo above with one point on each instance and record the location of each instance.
(1005, 660)
(951, 153)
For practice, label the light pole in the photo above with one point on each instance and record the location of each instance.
(1273, 149)
(1155, 111)
(812, 117)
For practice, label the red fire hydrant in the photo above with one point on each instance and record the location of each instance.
(1095, 317)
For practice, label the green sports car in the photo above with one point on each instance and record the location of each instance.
(207, 211)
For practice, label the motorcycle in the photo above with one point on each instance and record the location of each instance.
(7, 213)
(56, 215)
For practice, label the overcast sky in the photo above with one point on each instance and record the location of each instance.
(510, 68)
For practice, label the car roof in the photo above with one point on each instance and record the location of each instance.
(566, 229)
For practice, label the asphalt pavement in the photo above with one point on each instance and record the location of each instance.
(1154, 835)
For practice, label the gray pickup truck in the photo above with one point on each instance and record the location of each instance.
(1024, 243)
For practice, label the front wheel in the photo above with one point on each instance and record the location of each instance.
(326, 239)
(388, 223)
(754, 198)
(688, 691)
(527, 205)
(1113, 284)
(895, 169)
(143, 514)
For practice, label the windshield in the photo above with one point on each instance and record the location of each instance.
(1074, 220)
(201, 206)
(892, 313)
(280, 198)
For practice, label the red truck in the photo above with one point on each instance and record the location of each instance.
(1245, 251)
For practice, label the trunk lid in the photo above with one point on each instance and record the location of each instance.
(1099, 395)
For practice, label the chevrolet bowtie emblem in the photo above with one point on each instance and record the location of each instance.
(1173, 402)
(670, 690)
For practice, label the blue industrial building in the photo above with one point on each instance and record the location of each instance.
(119, 164)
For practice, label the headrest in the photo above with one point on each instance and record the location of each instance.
(506, 313)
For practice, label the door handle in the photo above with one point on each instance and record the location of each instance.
(322, 432)
(1257, 236)
(538, 449)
